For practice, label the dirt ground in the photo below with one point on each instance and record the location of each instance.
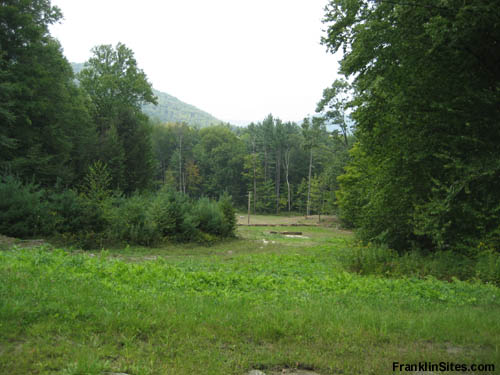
(8, 242)
(326, 220)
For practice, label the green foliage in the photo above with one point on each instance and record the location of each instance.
(371, 259)
(169, 216)
(426, 171)
(265, 158)
(334, 106)
(138, 166)
(97, 216)
(318, 195)
(487, 267)
(46, 130)
(217, 219)
(266, 197)
(112, 153)
(300, 202)
(220, 157)
(169, 314)
(229, 216)
(169, 109)
(97, 183)
(208, 217)
(27, 210)
(73, 214)
(259, 277)
(117, 88)
(129, 221)
(23, 213)
(113, 80)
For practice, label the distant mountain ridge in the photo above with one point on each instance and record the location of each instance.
(171, 109)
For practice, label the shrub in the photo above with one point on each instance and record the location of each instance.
(229, 216)
(73, 213)
(23, 212)
(488, 266)
(168, 214)
(445, 265)
(208, 217)
(368, 259)
(96, 217)
(129, 221)
(97, 182)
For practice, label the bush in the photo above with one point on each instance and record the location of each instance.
(488, 266)
(96, 217)
(367, 259)
(73, 213)
(445, 265)
(229, 216)
(129, 221)
(208, 217)
(23, 212)
(168, 214)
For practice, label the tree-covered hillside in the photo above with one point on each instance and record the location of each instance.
(171, 109)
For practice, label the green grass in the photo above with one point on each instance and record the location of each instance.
(226, 309)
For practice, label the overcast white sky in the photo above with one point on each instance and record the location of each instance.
(239, 60)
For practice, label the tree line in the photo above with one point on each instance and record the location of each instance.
(55, 125)
(425, 168)
(283, 165)
(80, 158)
(405, 148)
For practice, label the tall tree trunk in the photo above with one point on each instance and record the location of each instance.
(254, 178)
(278, 182)
(180, 163)
(344, 131)
(163, 171)
(265, 164)
(287, 169)
(309, 185)
(322, 202)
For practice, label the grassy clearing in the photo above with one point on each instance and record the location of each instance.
(242, 304)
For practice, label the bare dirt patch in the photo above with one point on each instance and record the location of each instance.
(275, 220)
(7, 243)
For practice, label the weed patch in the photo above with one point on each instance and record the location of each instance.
(70, 313)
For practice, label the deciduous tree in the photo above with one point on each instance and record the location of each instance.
(426, 170)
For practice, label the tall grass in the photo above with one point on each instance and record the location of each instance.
(369, 259)
(75, 314)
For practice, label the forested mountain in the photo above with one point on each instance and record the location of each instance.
(171, 109)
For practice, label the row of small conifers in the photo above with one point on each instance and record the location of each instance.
(93, 218)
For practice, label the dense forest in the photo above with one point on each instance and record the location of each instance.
(283, 165)
(425, 170)
(405, 148)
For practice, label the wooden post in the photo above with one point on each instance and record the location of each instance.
(249, 199)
